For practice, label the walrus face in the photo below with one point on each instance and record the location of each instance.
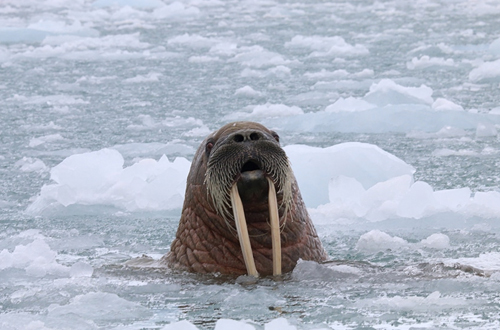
(246, 166)
(245, 156)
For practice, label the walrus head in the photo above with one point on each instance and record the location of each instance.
(246, 167)
(243, 212)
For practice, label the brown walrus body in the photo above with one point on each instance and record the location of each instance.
(245, 154)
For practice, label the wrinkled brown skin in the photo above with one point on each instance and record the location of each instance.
(205, 244)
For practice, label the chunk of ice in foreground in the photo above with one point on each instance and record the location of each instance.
(368, 164)
(98, 178)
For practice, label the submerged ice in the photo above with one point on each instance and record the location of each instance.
(389, 113)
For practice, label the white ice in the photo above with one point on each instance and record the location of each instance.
(327, 46)
(386, 107)
(98, 178)
(354, 181)
(376, 240)
(35, 257)
(228, 324)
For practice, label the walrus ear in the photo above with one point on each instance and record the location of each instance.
(276, 136)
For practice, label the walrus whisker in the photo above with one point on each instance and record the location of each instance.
(275, 228)
(241, 226)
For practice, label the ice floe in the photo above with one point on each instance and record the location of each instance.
(388, 107)
(326, 46)
(353, 181)
(99, 178)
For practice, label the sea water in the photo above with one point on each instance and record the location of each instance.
(389, 112)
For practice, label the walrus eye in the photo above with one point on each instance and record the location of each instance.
(209, 146)
(276, 136)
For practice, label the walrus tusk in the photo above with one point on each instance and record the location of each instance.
(275, 228)
(241, 227)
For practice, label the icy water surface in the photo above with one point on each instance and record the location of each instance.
(389, 112)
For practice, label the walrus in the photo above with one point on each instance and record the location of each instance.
(243, 212)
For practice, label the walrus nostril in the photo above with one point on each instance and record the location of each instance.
(254, 136)
(239, 138)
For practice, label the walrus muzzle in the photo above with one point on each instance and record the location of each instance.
(249, 168)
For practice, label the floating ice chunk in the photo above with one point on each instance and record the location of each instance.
(28, 164)
(224, 49)
(489, 261)
(279, 71)
(89, 48)
(448, 131)
(131, 3)
(402, 118)
(377, 240)
(486, 72)
(495, 111)
(453, 199)
(425, 62)
(445, 105)
(494, 47)
(257, 56)
(106, 42)
(433, 301)
(38, 31)
(488, 202)
(388, 92)
(18, 35)
(279, 324)
(311, 270)
(327, 46)
(36, 258)
(314, 167)
(445, 132)
(323, 74)
(227, 324)
(60, 27)
(81, 269)
(181, 325)
(176, 11)
(150, 77)
(445, 152)
(350, 104)
(436, 241)
(345, 190)
(381, 201)
(88, 172)
(248, 91)
(202, 59)
(98, 178)
(417, 201)
(49, 99)
(99, 306)
(195, 41)
(486, 130)
(35, 142)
